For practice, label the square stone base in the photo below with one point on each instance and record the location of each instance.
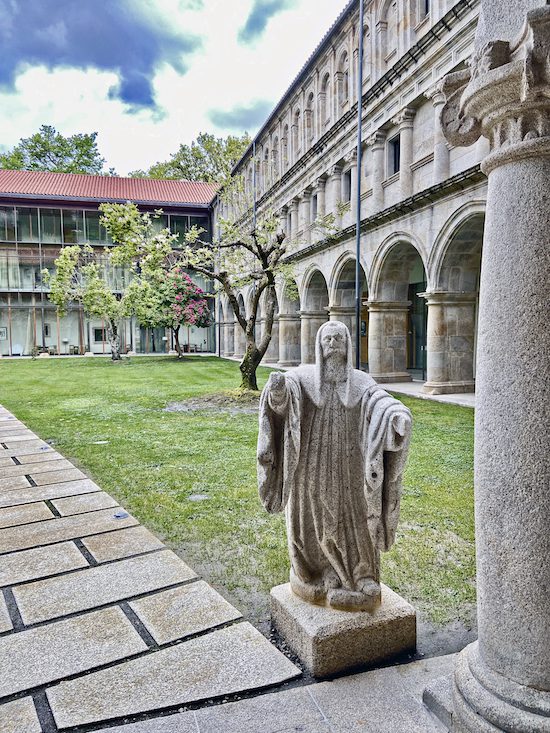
(329, 641)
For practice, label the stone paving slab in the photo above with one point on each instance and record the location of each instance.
(84, 503)
(12, 516)
(5, 620)
(97, 586)
(6, 461)
(61, 528)
(42, 467)
(13, 482)
(10, 440)
(179, 612)
(46, 455)
(40, 562)
(47, 653)
(19, 716)
(44, 493)
(13, 428)
(124, 543)
(21, 449)
(54, 477)
(233, 659)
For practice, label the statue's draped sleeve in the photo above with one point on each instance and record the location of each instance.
(278, 444)
(385, 437)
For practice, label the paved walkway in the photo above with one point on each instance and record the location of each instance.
(101, 624)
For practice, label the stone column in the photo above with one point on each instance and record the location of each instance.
(352, 160)
(378, 145)
(335, 192)
(321, 186)
(283, 220)
(441, 162)
(388, 340)
(502, 681)
(311, 322)
(450, 342)
(239, 339)
(228, 335)
(306, 215)
(289, 339)
(405, 121)
(294, 210)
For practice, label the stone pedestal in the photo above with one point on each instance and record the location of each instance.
(329, 642)
(450, 342)
(289, 339)
(502, 681)
(388, 341)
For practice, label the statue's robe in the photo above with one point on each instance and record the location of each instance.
(332, 455)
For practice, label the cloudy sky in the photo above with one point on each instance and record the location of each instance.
(148, 75)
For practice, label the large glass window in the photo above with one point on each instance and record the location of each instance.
(179, 225)
(73, 226)
(27, 224)
(201, 222)
(50, 225)
(95, 232)
(159, 222)
(30, 277)
(7, 223)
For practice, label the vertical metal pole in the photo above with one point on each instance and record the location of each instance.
(358, 205)
(254, 185)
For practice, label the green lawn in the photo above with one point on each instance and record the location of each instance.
(154, 460)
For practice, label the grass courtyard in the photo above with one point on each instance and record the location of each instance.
(190, 475)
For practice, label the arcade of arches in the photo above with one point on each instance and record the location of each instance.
(418, 317)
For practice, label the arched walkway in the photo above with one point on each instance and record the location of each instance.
(397, 315)
(452, 309)
(289, 327)
(315, 312)
(342, 306)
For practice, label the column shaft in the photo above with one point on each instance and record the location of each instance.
(388, 341)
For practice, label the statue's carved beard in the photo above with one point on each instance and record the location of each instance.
(335, 367)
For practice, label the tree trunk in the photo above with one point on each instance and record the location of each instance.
(114, 340)
(177, 342)
(248, 367)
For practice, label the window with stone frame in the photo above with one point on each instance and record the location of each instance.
(308, 120)
(325, 102)
(346, 186)
(394, 155)
(343, 79)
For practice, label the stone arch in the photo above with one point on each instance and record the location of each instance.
(315, 303)
(289, 325)
(453, 302)
(398, 312)
(342, 301)
(228, 328)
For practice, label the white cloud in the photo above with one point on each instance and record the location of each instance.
(223, 75)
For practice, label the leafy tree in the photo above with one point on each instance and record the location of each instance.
(79, 279)
(209, 159)
(243, 256)
(49, 150)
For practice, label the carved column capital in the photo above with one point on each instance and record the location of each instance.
(504, 95)
(405, 118)
(435, 94)
(335, 171)
(351, 157)
(377, 139)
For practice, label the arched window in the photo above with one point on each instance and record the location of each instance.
(342, 77)
(275, 157)
(367, 53)
(308, 120)
(284, 149)
(266, 173)
(296, 134)
(324, 103)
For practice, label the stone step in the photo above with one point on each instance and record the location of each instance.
(223, 662)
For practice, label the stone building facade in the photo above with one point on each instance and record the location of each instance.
(422, 200)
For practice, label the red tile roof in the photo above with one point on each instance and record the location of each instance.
(104, 188)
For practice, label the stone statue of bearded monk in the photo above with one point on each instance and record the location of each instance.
(331, 452)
